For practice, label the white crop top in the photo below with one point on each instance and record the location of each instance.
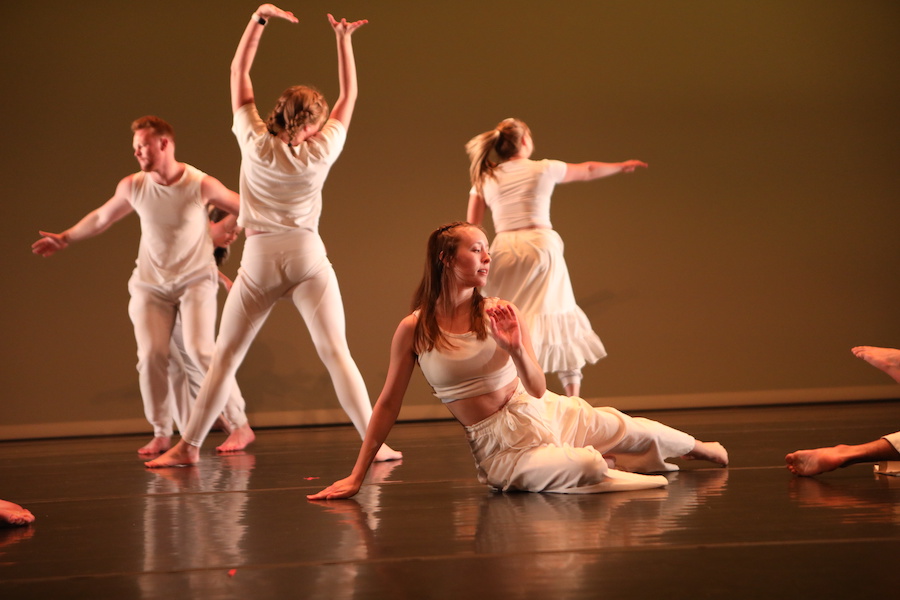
(519, 193)
(471, 368)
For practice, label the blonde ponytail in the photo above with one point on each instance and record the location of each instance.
(503, 142)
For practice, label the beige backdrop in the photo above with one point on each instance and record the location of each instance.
(757, 249)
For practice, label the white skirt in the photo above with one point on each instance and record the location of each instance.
(529, 270)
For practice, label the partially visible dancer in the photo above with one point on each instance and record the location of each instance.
(11, 514)
(184, 376)
(476, 354)
(822, 460)
(284, 163)
(175, 273)
(886, 359)
(529, 268)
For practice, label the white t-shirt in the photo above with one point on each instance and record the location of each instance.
(280, 185)
(519, 193)
(175, 243)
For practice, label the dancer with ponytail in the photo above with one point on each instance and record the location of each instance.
(529, 268)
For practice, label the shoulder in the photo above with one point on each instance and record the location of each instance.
(555, 168)
(246, 120)
(404, 337)
(193, 170)
(332, 132)
(128, 183)
(408, 323)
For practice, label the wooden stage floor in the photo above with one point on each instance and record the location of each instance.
(240, 526)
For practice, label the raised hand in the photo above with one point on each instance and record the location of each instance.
(50, 244)
(270, 11)
(505, 326)
(342, 27)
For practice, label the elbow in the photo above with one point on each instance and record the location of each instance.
(537, 386)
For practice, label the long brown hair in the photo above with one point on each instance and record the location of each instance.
(429, 298)
(502, 142)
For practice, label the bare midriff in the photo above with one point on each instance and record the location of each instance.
(469, 411)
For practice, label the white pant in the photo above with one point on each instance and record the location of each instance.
(273, 266)
(556, 444)
(184, 385)
(153, 309)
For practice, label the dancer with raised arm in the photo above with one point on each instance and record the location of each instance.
(529, 267)
(175, 273)
(821, 460)
(476, 354)
(284, 163)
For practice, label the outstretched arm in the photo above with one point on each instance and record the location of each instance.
(588, 171)
(512, 335)
(94, 223)
(384, 414)
(343, 108)
(241, 86)
(475, 213)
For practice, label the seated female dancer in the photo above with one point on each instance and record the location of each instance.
(477, 355)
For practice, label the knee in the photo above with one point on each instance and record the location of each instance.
(200, 355)
(333, 354)
(153, 358)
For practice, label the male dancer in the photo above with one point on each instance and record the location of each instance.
(175, 270)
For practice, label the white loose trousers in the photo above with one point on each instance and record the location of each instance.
(557, 444)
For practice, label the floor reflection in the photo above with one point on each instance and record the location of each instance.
(854, 504)
(10, 536)
(190, 524)
(548, 522)
(552, 534)
(354, 537)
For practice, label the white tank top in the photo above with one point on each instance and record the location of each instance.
(471, 368)
(175, 243)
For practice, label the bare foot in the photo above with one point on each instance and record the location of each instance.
(711, 451)
(13, 514)
(813, 462)
(157, 445)
(886, 359)
(182, 454)
(238, 439)
(386, 453)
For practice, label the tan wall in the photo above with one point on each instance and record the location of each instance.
(758, 248)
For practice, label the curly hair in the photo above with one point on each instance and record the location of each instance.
(297, 107)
